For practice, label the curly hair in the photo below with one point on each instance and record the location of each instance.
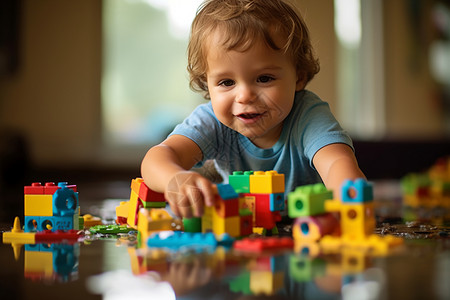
(242, 22)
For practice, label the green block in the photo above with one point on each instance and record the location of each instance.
(80, 223)
(192, 224)
(304, 268)
(151, 204)
(308, 200)
(241, 284)
(413, 181)
(240, 181)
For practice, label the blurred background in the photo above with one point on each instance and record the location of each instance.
(87, 86)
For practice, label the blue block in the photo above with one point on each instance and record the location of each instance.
(62, 223)
(32, 224)
(277, 202)
(358, 191)
(226, 191)
(178, 239)
(65, 201)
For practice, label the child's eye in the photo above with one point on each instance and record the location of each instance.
(227, 82)
(265, 78)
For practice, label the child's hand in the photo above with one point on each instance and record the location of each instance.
(187, 193)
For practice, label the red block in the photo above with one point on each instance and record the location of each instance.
(227, 207)
(148, 195)
(36, 188)
(58, 235)
(246, 225)
(260, 244)
(50, 188)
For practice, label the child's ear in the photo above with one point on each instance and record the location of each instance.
(301, 81)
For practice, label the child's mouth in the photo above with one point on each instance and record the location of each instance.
(249, 117)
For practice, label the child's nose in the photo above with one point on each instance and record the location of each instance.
(245, 94)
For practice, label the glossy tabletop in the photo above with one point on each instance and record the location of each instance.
(113, 267)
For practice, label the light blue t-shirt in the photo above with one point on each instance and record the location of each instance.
(309, 126)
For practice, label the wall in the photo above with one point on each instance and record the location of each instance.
(413, 109)
(54, 97)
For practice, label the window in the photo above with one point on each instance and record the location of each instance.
(145, 89)
(358, 26)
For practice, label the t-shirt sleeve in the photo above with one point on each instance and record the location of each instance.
(320, 128)
(202, 127)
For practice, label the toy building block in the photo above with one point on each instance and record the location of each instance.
(230, 225)
(266, 182)
(304, 269)
(207, 219)
(57, 236)
(313, 228)
(36, 188)
(261, 244)
(227, 201)
(241, 283)
(17, 235)
(90, 220)
(248, 201)
(226, 191)
(266, 282)
(65, 201)
(240, 181)
(110, 229)
(193, 224)
(38, 205)
(246, 222)
(133, 209)
(308, 200)
(154, 220)
(50, 187)
(122, 212)
(147, 195)
(178, 239)
(359, 191)
(354, 261)
(357, 220)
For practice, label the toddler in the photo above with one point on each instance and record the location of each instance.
(252, 59)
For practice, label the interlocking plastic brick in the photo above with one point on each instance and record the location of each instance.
(261, 244)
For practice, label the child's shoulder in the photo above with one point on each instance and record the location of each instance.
(305, 100)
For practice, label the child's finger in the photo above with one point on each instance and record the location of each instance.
(208, 192)
(195, 196)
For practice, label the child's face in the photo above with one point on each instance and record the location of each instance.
(251, 92)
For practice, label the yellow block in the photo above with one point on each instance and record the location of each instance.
(153, 220)
(122, 209)
(133, 210)
(266, 282)
(207, 219)
(266, 182)
(39, 262)
(357, 221)
(38, 205)
(354, 260)
(230, 225)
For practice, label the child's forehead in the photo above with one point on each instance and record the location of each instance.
(224, 39)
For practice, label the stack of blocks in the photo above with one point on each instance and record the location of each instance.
(262, 193)
(251, 201)
(141, 197)
(51, 207)
(349, 221)
(226, 216)
(426, 190)
(307, 205)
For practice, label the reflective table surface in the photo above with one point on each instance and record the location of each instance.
(113, 267)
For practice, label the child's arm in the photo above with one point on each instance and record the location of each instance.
(165, 168)
(336, 163)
